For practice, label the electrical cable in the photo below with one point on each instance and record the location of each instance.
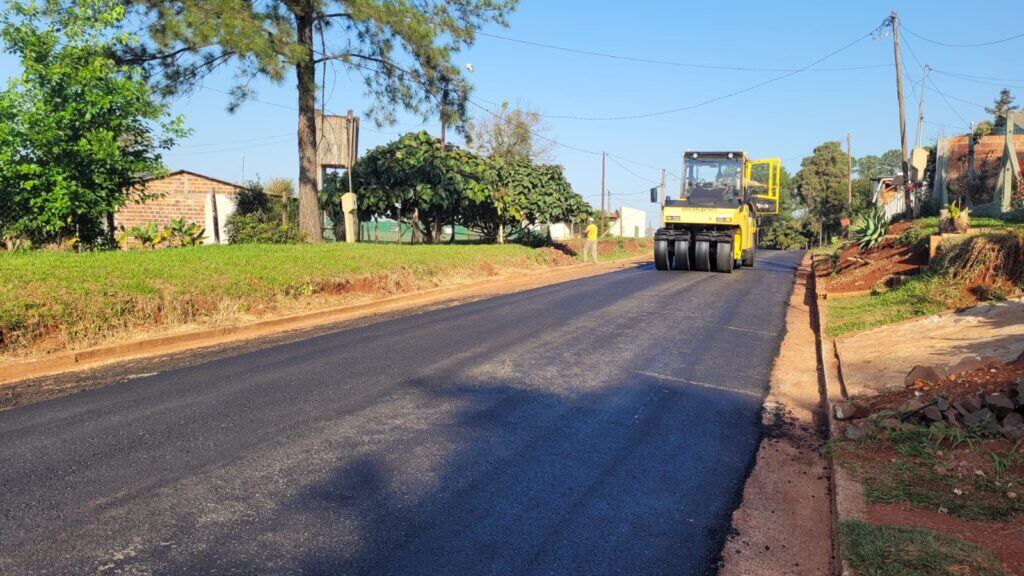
(710, 100)
(949, 45)
(669, 62)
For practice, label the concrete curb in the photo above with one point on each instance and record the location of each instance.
(847, 493)
(18, 370)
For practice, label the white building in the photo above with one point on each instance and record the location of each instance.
(627, 222)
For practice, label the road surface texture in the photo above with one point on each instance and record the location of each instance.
(599, 426)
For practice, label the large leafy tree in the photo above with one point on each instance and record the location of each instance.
(525, 193)
(889, 163)
(402, 49)
(78, 131)
(821, 185)
(419, 181)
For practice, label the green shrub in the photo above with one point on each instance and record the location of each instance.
(260, 228)
(915, 237)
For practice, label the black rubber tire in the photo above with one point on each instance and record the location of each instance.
(661, 255)
(723, 257)
(748, 258)
(681, 255)
(702, 256)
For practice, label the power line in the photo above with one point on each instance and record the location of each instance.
(984, 82)
(208, 144)
(711, 100)
(945, 97)
(965, 75)
(669, 62)
(235, 149)
(620, 165)
(949, 45)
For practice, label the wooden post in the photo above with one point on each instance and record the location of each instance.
(907, 199)
(849, 175)
(601, 230)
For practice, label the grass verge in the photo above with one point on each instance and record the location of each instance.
(939, 469)
(875, 550)
(919, 296)
(55, 300)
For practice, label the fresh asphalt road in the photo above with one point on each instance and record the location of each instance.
(599, 426)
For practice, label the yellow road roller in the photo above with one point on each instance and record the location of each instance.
(712, 225)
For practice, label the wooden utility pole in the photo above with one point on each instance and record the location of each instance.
(907, 199)
(603, 154)
(849, 174)
(920, 108)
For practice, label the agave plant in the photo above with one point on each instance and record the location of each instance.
(871, 228)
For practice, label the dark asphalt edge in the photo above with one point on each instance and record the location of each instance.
(764, 429)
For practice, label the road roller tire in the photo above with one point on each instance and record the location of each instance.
(702, 256)
(748, 258)
(661, 256)
(723, 257)
(681, 255)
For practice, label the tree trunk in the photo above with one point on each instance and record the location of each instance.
(305, 72)
(415, 233)
(501, 233)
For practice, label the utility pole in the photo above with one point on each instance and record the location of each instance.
(603, 154)
(903, 119)
(920, 108)
(849, 174)
(663, 183)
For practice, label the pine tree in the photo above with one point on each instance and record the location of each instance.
(402, 49)
(1002, 107)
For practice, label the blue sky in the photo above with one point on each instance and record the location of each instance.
(786, 118)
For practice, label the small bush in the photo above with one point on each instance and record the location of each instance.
(915, 237)
(259, 228)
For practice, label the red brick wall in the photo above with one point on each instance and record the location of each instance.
(180, 195)
(987, 154)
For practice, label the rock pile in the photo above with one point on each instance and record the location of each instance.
(947, 396)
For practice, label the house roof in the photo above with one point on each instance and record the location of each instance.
(197, 175)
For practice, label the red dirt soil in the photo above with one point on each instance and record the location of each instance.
(858, 270)
(1005, 539)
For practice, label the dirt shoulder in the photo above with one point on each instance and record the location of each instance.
(784, 524)
(28, 381)
(927, 447)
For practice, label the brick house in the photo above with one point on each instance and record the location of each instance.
(183, 194)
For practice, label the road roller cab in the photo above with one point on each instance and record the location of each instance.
(712, 224)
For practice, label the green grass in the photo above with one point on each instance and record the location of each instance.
(930, 224)
(901, 466)
(918, 296)
(62, 298)
(875, 550)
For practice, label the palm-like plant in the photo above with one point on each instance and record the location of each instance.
(871, 228)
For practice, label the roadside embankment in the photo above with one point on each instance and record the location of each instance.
(926, 439)
(987, 267)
